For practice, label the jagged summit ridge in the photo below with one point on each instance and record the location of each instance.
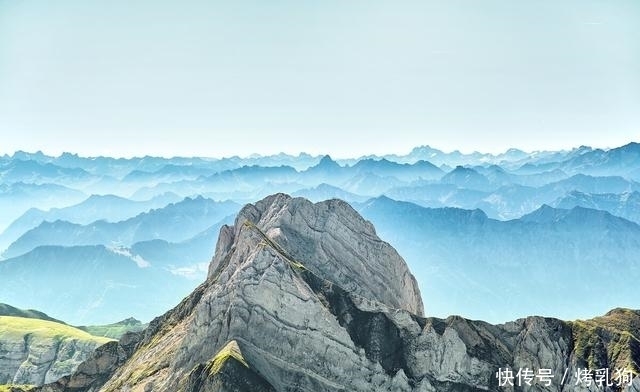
(332, 240)
(298, 286)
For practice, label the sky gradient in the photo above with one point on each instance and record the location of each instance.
(349, 78)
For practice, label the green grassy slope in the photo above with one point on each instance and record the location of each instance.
(115, 330)
(18, 327)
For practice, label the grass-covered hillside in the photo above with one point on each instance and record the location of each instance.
(35, 352)
(13, 327)
(115, 330)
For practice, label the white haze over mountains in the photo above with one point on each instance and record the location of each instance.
(492, 237)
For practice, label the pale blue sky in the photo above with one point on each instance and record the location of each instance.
(219, 78)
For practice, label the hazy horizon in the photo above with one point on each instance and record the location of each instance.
(348, 79)
(333, 156)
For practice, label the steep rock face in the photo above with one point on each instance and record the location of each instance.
(95, 371)
(332, 240)
(288, 307)
(255, 294)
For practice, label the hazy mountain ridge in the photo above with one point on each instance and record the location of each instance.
(18, 197)
(174, 222)
(541, 260)
(99, 284)
(90, 284)
(110, 208)
(155, 169)
(625, 205)
(135, 218)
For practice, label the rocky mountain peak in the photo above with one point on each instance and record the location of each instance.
(295, 290)
(330, 239)
(325, 165)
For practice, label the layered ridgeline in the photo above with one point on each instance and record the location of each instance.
(306, 297)
(550, 262)
(93, 240)
(505, 186)
(104, 270)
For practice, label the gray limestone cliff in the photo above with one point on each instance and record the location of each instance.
(332, 240)
(306, 297)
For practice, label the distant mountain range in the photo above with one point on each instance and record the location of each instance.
(96, 207)
(107, 271)
(625, 205)
(175, 222)
(18, 197)
(90, 284)
(546, 262)
(461, 220)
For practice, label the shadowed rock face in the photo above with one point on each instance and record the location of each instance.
(309, 299)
